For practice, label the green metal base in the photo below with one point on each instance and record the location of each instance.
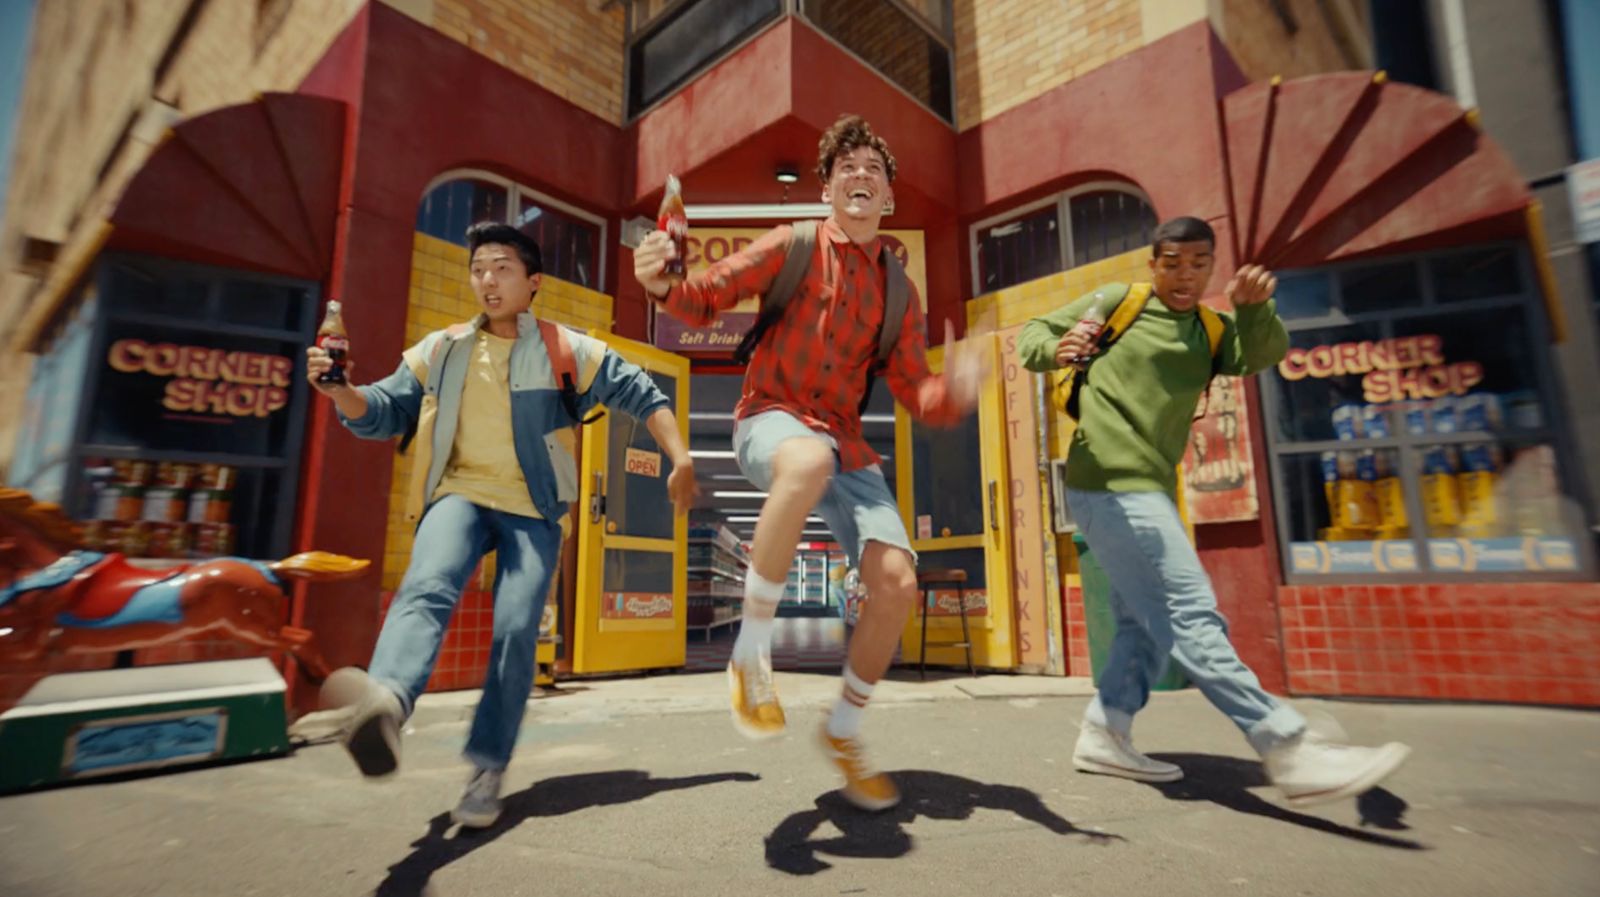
(80, 725)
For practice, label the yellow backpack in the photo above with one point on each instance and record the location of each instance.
(1067, 382)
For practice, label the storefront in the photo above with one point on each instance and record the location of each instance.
(1364, 510)
(175, 420)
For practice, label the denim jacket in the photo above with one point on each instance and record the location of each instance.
(426, 388)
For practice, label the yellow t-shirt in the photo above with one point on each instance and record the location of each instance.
(483, 464)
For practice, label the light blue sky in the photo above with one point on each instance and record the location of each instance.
(15, 18)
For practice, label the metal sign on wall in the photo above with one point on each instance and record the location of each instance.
(708, 245)
(1583, 185)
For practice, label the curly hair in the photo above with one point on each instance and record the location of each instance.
(849, 133)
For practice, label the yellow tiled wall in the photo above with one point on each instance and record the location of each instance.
(440, 296)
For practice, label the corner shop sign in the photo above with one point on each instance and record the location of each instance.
(202, 380)
(1407, 367)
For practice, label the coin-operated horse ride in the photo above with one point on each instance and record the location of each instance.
(58, 600)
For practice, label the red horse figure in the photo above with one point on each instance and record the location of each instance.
(58, 599)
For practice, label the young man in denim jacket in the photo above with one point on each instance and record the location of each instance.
(494, 471)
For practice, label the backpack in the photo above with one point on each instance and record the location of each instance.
(563, 364)
(897, 293)
(1069, 380)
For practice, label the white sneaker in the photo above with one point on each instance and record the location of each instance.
(1100, 750)
(371, 732)
(1309, 770)
(480, 803)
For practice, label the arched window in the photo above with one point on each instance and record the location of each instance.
(1058, 233)
(572, 242)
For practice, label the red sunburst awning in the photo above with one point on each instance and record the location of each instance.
(1332, 167)
(254, 186)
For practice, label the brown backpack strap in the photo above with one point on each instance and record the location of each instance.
(896, 295)
(802, 246)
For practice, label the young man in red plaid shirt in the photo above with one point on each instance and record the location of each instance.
(799, 430)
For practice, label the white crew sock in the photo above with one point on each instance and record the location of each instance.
(845, 720)
(761, 597)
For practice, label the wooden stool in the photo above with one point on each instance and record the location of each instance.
(927, 580)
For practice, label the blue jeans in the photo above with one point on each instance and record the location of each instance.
(453, 536)
(1165, 607)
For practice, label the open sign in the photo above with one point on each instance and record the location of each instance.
(643, 463)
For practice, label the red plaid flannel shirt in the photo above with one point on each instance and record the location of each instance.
(813, 363)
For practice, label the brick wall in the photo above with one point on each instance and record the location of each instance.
(882, 35)
(1263, 45)
(1534, 643)
(573, 49)
(1010, 51)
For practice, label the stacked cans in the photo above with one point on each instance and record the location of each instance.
(163, 510)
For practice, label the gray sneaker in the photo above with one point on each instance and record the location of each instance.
(372, 733)
(480, 803)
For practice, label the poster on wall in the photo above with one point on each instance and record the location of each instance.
(708, 245)
(1218, 468)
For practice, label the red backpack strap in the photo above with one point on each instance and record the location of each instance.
(564, 367)
(563, 364)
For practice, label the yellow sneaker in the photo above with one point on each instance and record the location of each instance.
(754, 699)
(867, 789)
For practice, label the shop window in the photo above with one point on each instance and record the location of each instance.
(568, 245)
(1421, 441)
(453, 206)
(1019, 250)
(907, 48)
(1070, 230)
(569, 241)
(198, 400)
(1304, 295)
(1465, 276)
(688, 40)
(1380, 288)
(1107, 223)
(942, 457)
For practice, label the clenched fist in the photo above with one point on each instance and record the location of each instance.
(649, 260)
(1251, 285)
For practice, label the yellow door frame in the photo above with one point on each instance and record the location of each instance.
(993, 635)
(601, 643)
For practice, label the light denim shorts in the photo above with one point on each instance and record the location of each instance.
(857, 507)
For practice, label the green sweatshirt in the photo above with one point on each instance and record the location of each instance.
(1138, 403)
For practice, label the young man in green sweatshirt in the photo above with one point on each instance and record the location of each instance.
(1134, 417)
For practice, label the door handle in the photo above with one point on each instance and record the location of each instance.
(994, 505)
(597, 498)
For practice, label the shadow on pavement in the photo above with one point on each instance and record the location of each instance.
(1225, 781)
(792, 848)
(551, 797)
